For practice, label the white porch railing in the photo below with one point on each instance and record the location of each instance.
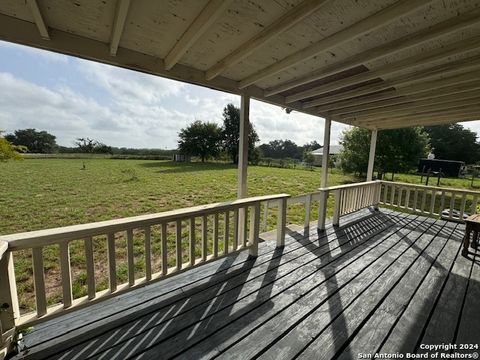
(447, 203)
(239, 233)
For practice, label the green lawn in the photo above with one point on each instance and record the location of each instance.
(44, 193)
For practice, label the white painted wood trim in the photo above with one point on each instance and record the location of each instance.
(39, 281)
(121, 13)
(90, 267)
(66, 274)
(39, 20)
(112, 267)
(371, 155)
(130, 258)
(148, 253)
(326, 152)
(209, 14)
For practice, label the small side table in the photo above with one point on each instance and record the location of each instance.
(472, 224)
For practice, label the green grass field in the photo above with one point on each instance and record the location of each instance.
(45, 193)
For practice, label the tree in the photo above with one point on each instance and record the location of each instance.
(397, 150)
(35, 141)
(281, 149)
(201, 139)
(454, 142)
(231, 134)
(91, 146)
(9, 151)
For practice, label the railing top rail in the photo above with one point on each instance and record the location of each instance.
(346, 186)
(427, 187)
(51, 236)
(3, 248)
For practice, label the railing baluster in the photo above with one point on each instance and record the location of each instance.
(255, 230)
(112, 266)
(432, 202)
(392, 196)
(407, 199)
(265, 215)
(424, 199)
(336, 208)
(442, 204)
(178, 244)
(415, 200)
(308, 206)
(91, 291)
(462, 206)
(385, 193)
(8, 295)
(191, 242)
(39, 281)
(245, 227)
(148, 253)
(163, 248)
(474, 204)
(281, 222)
(66, 274)
(235, 229)
(226, 233)
(215, 235)
(452, 204)
(130, 258)
(322, 209)
(204, 238)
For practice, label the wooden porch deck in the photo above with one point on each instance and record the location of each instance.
(382, 282)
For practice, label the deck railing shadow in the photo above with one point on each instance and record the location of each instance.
(195, 312)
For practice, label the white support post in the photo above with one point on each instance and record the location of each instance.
(326, 152)
(322, 208)
(281, 222)
(243, 160)
(371, 156)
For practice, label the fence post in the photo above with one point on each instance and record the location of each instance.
(322, 209)
(281, 222)
(336, 207)
(378, 192)
(254, 230)
(9, 310)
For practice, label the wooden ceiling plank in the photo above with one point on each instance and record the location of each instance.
(442, 102)
(438, 113)
(283, 23)
(441, 70)
(406, 64)
(118, 25)
(362, 27)
(444, 28)
(403, 95)
(209, 14)
(39, 20)
(431, 122)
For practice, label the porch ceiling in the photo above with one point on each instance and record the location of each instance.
(371, 63)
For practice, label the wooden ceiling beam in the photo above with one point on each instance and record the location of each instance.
(444, 28)
(118, 25)
(283, 23)
(441, 103)
(409, 63)
(39, 20)
(362, 27)
(197, 28)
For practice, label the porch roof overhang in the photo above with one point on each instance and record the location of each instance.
(376, 64)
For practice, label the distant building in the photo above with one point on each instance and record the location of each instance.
(318, 154)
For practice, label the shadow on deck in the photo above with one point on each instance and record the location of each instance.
(383, 282)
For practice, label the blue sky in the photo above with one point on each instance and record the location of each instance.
(71, 98)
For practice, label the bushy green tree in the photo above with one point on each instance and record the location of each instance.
(35, 141)
(9, 151)
(202, 139)
(454, 142)
(231, 134)
(398, 150)
(91, 146)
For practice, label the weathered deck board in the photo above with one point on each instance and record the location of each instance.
(381, 282)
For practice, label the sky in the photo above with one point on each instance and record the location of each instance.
(71, 98)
